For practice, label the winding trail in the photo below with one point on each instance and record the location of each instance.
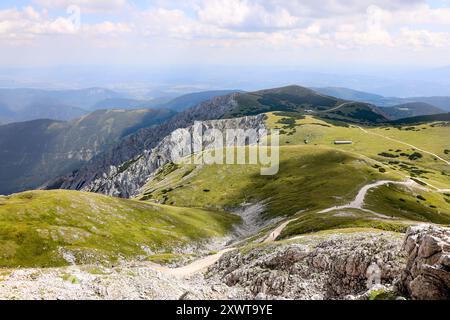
(276, 233)
(436, 189)
(405, 143)
(359, 200)
(335, 108)
(192, 268)
(205, 262)
(357, 203)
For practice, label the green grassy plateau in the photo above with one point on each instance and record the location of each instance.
(316, 174)
(310, 178)
(44, 228)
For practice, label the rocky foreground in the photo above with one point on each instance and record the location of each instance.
(351, 265)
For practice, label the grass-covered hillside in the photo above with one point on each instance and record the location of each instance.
(412, 109)
(310, 178)
(306, 101)
(54, 228)
(184, 205)
(423, 119)
(315, 174)
(395, 148)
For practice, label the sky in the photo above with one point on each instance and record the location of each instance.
(318, 34)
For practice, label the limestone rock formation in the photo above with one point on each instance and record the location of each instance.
(361, 265)
(105, 165)
(316, 268)
(427, 272)
(125, 180)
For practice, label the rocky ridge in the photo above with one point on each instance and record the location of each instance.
(132, 147)
(313, 267)
(427, 272)
(342, 265)
(126, 179)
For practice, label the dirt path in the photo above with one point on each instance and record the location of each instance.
(405, 143)
(203, 263)
(192, 268)
(358, 202)
(336, 108)
(276, 233)
(436, 189)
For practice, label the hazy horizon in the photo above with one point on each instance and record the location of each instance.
(144, 82)
(395, 48)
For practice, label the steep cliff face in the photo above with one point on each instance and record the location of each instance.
(125, 180)
(134, 145)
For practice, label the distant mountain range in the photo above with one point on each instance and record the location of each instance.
(394, 108)
(31, 104)
(355, 95)
(411, 109)
(442, 103)
(300, 99)
(35, 151)
(192, 99)
(117, 103)
(85, 149)
(125, 168)
(177, 104)
(114, 172)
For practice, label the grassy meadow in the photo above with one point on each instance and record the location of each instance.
(52, 228)
(316, 174)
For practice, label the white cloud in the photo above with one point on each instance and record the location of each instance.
(332, 23)
(284, 23)
(29, 23)
(224, 13)
(245, 15)
(90, 6)
(420, 39)
(107, 28)
(175, 24)
(238, 26)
